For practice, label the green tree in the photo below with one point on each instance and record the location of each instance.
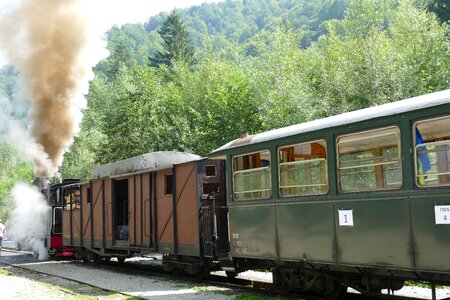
(176, 44)
(382, 51)
(441, 8)
(219, 103)
(137, 113)
(276, 77)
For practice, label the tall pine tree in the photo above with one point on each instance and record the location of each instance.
(176, 43)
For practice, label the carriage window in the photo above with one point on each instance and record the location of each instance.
(88, 195)
(432, 152)
(168, 187)
(210, 170)
(303, 169)
(251, 176)
(370, 160)
(71, 198)
(57, 220)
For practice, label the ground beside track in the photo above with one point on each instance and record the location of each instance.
(21, 277)
(19, 283)
(82, 278)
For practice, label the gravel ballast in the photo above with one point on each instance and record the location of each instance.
(141, 286)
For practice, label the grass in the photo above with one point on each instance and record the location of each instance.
(4, 272)
(200, 288)
(424, 284)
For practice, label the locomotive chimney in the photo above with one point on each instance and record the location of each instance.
(41, 183)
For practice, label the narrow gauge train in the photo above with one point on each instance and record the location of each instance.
(360, 199)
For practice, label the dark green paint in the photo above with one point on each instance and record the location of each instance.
(392, 229)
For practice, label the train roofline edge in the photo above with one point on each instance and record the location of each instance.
(388, 109)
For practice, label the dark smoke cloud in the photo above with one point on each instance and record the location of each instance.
(51, 43)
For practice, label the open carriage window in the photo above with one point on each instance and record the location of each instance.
(303, 169)
(88, 195)
(432, 152)
(71, 198)
(251, 176)
(168, 186)
(370, 160)
(210, 170)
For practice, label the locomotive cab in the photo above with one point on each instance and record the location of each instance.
(60, 196)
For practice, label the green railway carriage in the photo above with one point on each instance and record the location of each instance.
(360, 199)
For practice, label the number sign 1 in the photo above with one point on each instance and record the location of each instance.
(346, 217)
(442, 214)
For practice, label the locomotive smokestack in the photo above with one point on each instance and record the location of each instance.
(48, 41)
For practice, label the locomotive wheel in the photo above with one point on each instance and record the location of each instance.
(121, 259)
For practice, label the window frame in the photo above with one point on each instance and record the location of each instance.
(71, 197)
(210, 166)
(54, 219)
(280, 148)
(234, 181)
(415, 146)
(397, 131)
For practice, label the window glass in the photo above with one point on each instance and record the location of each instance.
(251, 176)
(432, 152)
(303, 169)
(57, 220)
(370, 160)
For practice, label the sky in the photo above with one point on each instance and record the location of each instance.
(133, 11)
(118, 12)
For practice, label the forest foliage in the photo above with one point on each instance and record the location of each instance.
(259, 65)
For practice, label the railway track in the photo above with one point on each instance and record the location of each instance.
(152, 268)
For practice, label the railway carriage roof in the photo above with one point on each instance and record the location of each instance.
(388, 109)
(148, 162)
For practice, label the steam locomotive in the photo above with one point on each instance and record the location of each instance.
(356, 200)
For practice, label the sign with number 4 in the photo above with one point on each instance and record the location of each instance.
(442, 214)
(346, 217)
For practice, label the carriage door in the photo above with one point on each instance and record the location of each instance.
(214, 212)
(120, 210)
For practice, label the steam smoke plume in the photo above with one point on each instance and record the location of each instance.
(51, 43)
(28, 222)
